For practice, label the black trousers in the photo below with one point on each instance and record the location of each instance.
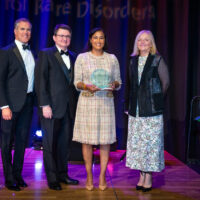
(57, 134)
(15, 131)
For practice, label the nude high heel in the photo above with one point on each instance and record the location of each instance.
(89, 187)
(102, 187)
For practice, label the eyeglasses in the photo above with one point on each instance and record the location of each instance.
(64, 36)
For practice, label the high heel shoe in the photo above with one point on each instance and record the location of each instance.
(146, 189)
(138, 187)
(89, 187)
(141, 181)
(102, 187)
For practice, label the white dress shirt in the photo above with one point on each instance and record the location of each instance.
(29, 63)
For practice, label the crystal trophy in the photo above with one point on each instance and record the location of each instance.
(101, 79)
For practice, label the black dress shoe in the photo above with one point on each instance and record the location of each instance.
(146, 189)
(21, 182)
(138, 187)
(69, 181)
(12, 186)
(54, 186)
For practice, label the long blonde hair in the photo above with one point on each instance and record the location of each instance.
(153, 49)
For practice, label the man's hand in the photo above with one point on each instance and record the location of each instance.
(47, 112)
(6, 114)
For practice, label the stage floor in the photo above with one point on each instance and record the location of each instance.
(177, 181)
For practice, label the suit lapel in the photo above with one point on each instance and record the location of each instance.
(62, 64)
(17, 53)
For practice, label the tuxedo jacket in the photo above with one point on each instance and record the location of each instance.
(54, 82)
(13, 78)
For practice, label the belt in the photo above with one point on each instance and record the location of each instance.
(90, 94)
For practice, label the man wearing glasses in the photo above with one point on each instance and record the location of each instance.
(57, 99)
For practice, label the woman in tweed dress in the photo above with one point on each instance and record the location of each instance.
(148, 82)
(95, 114)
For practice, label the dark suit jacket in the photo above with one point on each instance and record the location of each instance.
(13, 78)
(54, 84)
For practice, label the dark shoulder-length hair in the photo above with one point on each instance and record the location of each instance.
(88, 46)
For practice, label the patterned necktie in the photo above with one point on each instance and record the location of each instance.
(26, 46)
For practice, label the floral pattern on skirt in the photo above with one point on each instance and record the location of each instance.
(145, 143)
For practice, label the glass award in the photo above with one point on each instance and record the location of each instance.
(101, 79)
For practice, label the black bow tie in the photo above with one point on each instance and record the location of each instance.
(26, 46)
(64, 53)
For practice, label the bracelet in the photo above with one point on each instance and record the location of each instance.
(84, 86)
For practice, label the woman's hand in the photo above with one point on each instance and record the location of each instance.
(114, 85)
(92, 88)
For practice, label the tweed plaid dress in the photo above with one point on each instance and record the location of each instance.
(95, 115)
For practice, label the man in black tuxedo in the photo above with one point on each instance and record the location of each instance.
(16, 102)
(57, 98)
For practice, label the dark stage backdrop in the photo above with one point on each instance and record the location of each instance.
(174, 23)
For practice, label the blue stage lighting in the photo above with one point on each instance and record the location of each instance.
(197, 119)
(37, 140)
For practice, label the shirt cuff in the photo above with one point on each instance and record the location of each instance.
(44, 106)
(4, 107)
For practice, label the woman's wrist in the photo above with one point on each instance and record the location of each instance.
(115, 84)
(84, 86)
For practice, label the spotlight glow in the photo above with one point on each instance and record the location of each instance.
(38, 165)
(38, 133)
